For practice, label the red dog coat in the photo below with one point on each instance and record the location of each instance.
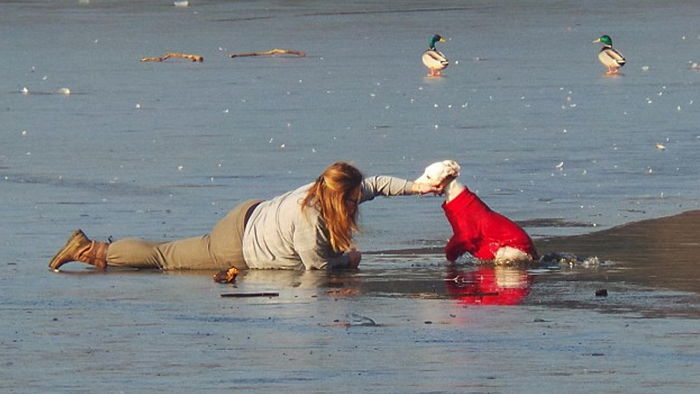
(480, 231)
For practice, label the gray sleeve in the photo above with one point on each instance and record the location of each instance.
(314, 248)
(382, 185)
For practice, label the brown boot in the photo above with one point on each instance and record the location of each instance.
(80, 248)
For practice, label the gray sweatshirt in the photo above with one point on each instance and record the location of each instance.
(279, 235)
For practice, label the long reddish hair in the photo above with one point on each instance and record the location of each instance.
(336, 194)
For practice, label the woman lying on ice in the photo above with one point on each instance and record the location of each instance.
(310, 227)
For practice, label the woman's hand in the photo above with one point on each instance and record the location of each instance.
(354, 259)
(424, 188)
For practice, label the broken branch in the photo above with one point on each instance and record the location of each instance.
(245, 295)
(271, 52)
(194, 58)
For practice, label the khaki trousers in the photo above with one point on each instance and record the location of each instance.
(219, 250)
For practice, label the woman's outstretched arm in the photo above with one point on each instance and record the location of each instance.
(382, 185)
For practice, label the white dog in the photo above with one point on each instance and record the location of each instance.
(485, 234)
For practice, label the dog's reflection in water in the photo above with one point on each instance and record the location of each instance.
(488, 285)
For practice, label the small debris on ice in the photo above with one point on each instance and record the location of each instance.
(359, 320)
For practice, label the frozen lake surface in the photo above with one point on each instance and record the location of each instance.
(163, 150)
(525, 107)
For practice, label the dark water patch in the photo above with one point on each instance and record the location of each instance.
(634, 210)
(552, 222)
(633, 263)
(444, 341)
(476, 127)
(248, 19)
(221, 319)
(410, 251)
(255, 382)
(392, 11)
(121, 189)
(621, 299)
(68, 203)
(355, 12)
(660, 252)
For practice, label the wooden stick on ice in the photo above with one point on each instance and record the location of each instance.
(271, 52)
(245, 295)
(194, 58)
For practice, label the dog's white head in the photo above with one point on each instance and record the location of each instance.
(438, 173)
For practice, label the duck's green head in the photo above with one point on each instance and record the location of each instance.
(436, 38)
(605, 39)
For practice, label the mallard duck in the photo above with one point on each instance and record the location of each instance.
(609, 56)
(434, 59)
